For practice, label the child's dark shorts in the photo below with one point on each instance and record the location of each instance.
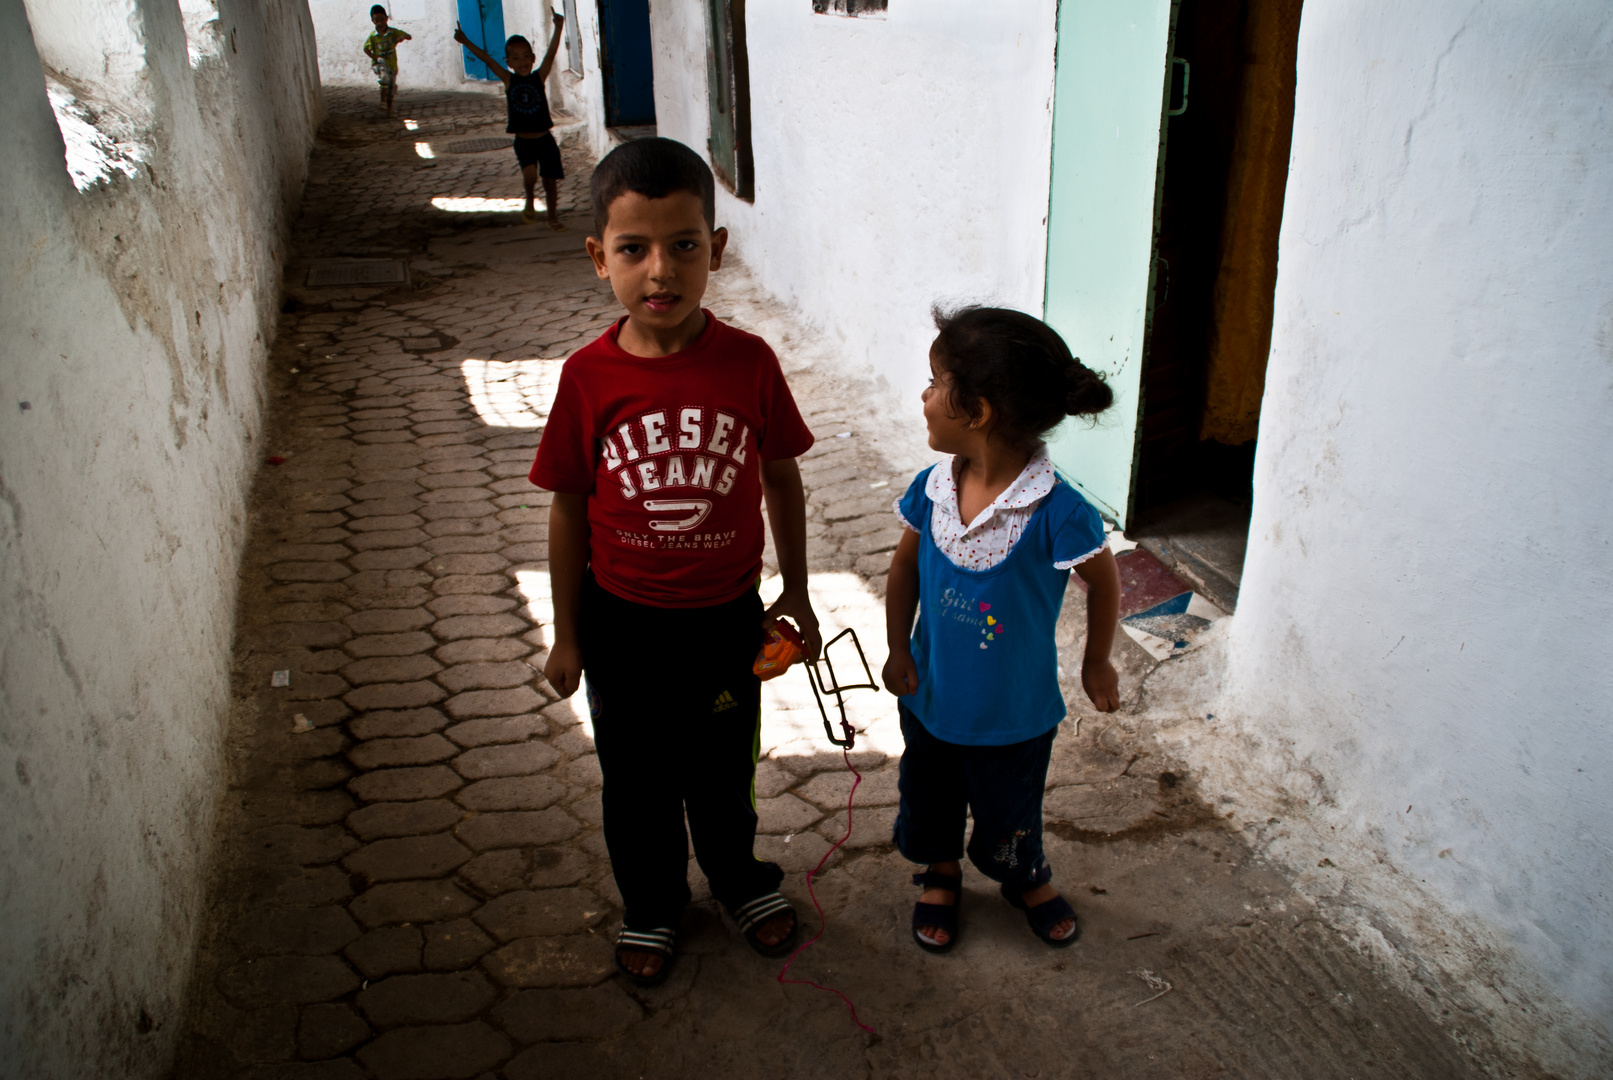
(543, 152)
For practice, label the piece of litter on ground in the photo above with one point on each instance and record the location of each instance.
(880, 484)
(280, 678)
(300, 724)
(788, 838)
(277, 460)
(844, 435)
(1154, 983)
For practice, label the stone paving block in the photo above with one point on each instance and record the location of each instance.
(310, 887)
(390, 669)
(785, 814)
(486, 676)
(308, 612)
(307, 571)
(584, 771)
(463, 526)
(772, 780)
(406, 644)
(406, 857)
(387, 524)
(500, 871)
(540, 914)
(830, 789)
(526, 534)
(800, 854)
(407, 597)
(590, 808)
(425, 999)
(370, 508)
(302, 932)
(421, 750)
(575, 960)
(453, 945)
(509, 759)
(871, 826)
(445, 607)
(405, 785)
(285, 745)
(386, 951)
(512, 702)
(406, 695)
(609, 1060)
(313, 687)
(469, 563)
(527, 553)
(397, 723)
(310, 635)
(323, 1031)
(473, 584)
(522, 828)
(489, 730)
(389, 621)
(265, 1035)
(384, 489)
(573, 743)
(448, 1052)
(411, 902)
(873, 565)
(448, 493)
(316, 775)
(464, 545)
(389, 558)
(482, 650)
(381, 580)
(380, 820)
(527, 515)
(480, 626)
(448, 510)
(286, 980)
(549, 1015)
(297, 845)
(382, 437)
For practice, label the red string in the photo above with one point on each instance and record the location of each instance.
(823, 920)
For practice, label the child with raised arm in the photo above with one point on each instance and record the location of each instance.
(666, 436)
(382, 49)
(992, 534)
(536, 152)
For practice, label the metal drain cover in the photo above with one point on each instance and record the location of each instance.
(477, 146)
(356, 272)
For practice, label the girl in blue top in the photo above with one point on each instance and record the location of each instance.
(992, 536)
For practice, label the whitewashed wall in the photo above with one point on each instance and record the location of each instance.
(899, 161)
(136, 313)
(433, 60)
(1419, 645)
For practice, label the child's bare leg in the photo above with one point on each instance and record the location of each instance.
(551, 199)
(944, 897)
(1041, 895)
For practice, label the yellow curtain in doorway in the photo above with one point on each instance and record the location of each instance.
(1241, 335)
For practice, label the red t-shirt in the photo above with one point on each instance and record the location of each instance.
(668, 450)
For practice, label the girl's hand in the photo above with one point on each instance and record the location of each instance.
(1102, 683)
(563, 669)
(459, 35)
(901, 674)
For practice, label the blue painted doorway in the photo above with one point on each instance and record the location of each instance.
(483, 21)
(625, 55)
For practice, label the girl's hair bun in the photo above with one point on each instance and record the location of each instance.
(1088, 394)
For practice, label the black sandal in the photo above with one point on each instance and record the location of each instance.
(940, 916)
(1045, 916)
(750, 916)
(657, 942)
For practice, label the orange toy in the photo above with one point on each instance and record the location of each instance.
(782, 648)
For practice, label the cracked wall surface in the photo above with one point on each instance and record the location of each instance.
(137, 306)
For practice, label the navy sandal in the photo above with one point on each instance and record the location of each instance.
(1045, 916)
(940, 916)
(752, 915)
(657, 942)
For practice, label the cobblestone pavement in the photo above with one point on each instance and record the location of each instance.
(412, 882)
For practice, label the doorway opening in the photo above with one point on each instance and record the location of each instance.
(626, 63)
(1231, 118)
(728, 98)
(483, 21)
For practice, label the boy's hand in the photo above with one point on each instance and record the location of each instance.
(563, 669)
(901, 674)
(797, 607)
(1102, 683)
(459, 35)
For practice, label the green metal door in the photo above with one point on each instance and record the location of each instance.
(1109, 103)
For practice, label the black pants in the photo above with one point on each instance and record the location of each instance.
(1002, 785)
(677, 725)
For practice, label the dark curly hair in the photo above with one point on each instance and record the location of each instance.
(1021, 366)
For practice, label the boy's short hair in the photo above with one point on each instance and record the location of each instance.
(654, 168)
(516, 39)
(377, 7)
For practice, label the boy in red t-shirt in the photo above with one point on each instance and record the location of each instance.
(666, 436)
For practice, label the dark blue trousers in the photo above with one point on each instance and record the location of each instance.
(1001, 785)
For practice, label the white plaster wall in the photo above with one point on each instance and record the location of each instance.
(433, 60)
(137, 315)
(899, 161)
(1418, 650)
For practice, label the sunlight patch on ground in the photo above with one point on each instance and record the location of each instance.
(511, 393)
(423, 149)
(411, 125)
(476, 204)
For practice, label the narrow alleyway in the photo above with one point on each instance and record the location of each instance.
(412, 881)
